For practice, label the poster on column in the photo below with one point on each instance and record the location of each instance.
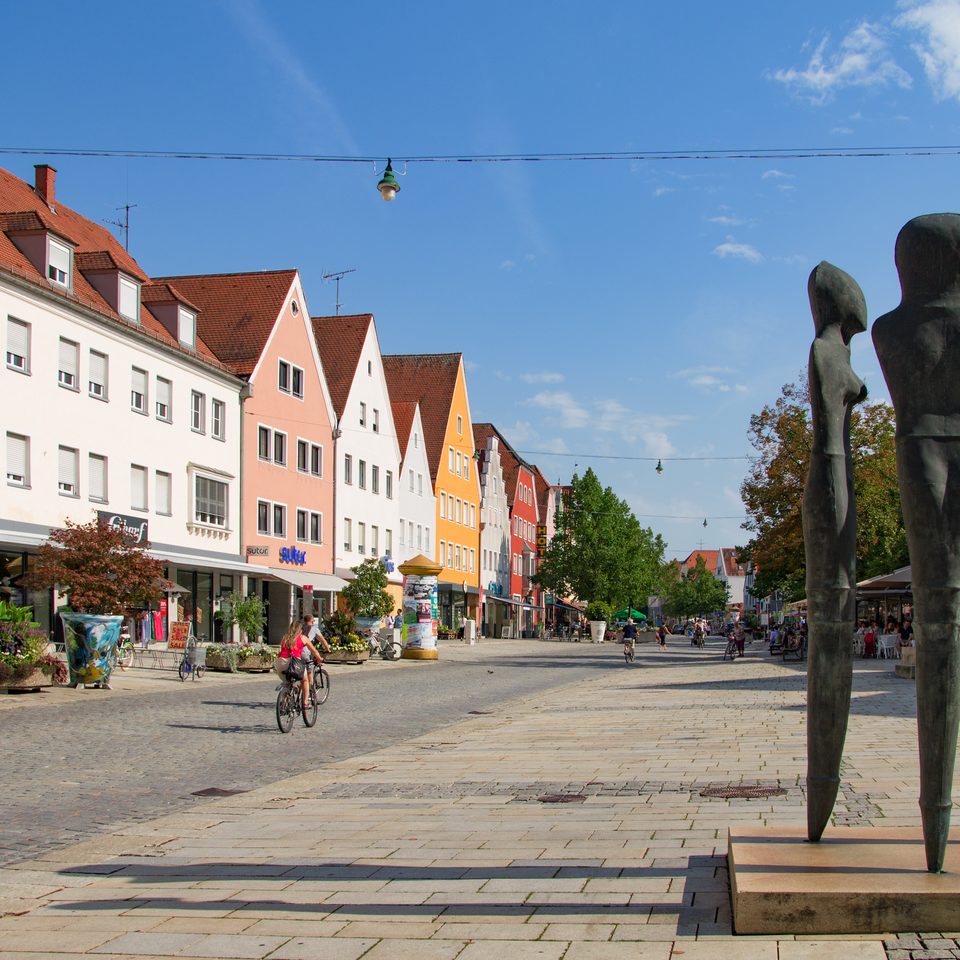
(420, 612)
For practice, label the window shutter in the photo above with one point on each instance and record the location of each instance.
(128, 300)
(98, 477)
(163, 393)
(98, 368)
(140, 382)
(67, 471)
(16, 456)
(68, 357)
(163, 493)
(18, 337)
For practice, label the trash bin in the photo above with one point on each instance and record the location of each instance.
(196, 655)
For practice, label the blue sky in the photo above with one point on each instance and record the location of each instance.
(634, 308)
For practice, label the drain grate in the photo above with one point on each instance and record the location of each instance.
(742, 793)
(216, 792)
(562, 798)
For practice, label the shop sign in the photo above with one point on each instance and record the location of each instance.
(179, 631)
(293, 555)
(133, 528)
(541, 540)
(258, 551)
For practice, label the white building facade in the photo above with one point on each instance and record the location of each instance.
(418, 505)
(494, 540)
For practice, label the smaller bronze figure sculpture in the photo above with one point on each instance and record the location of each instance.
(830, 533)
(918, 345)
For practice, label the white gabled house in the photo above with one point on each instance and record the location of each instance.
(418, 505)
(494, 534)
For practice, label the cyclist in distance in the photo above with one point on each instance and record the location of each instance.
(629, 637)
(298, 646)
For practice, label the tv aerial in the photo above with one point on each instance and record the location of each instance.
(337, 276)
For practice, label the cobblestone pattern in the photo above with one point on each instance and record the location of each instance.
(923, 946)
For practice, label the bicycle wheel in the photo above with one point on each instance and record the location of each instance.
(125, 657)
(199, 671)
(182, 670)
(286, 709)
(310, 713)
(322, 689)
(730, 652)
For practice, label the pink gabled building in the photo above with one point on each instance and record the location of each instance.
(258, 325)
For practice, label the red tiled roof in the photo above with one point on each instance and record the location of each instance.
(158, 292)
(237, 311)
(95, 248)
(732, 564)
(404, 413)
(709, 558)
(340, 341)
(429, 379)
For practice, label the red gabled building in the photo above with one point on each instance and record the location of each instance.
(522, 498)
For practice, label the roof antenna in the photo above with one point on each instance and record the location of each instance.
(337, 276)
(124, 224)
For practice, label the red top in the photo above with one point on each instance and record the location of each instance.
(294, 651)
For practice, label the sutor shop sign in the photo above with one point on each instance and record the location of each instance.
(293, 555)
(133, 528)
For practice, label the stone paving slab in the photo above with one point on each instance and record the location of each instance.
(440, 846)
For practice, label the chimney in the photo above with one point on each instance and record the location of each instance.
(45, 178)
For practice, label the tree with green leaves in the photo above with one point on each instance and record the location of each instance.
(599, 550)
(773, 492)
(698, 593)
(366, 594)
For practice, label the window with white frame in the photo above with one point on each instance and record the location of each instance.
(138, 487)
(459, 510)
(198, 412)
(443, 553)
(374, 478)
(279, 520)
(283, 376)
(316, 527)
(450, 459)
(374, 541)
(138, 391)
(376, 420)
(302, 525)
(164, 400)
(473, 515)
(303, 456)
(388, 543)
(347, 533)
(164, 493)
(210, 501)
(316, 460)
(443, 505)
(460, 425)
(410, 532)
(263, 517)
(403, 527)
(68, 472)
(362, 474)
(410, 480)
(419, 536)
(473, 560)
(18, 345)
(459, 464)
(361, 538)
(347, 468)
(58, 262)
(264, 444)
(218, 419)
(279, 448)
(388, 484)
(363, 414)
(97, 477)
(449, 554)
(97, 375)
(419, 484)
(466, 468)
(296, 382)
(129, 300)
(456, 557)
(426, 541)
(69, 364)
(187, 330)
(18, 460)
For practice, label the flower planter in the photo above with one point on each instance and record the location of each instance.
(254, 665)
(32, 681)
(346, 656)
(91, 642)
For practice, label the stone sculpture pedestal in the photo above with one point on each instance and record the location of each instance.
(855, 880)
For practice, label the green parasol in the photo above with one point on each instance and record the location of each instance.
(626, 612)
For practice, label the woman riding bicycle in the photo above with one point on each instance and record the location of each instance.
(298, 646)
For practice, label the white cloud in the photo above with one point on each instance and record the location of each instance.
(862, 60)
(507, 264)
(700, 371)
(663, 191)
(776, 175)
(570, 412)
(842, 131)
(261, 35)
(726, 221)
(739, 251)
(938, 23)
(544, 377)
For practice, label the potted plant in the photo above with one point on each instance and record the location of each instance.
(240, 657)
(25, 663)
(103, 574)
(248, 612)
(346, 644)
(598, 613)
(366, 595)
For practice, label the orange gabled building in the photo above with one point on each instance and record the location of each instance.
(438, 383)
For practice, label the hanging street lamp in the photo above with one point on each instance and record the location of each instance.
(388, 186)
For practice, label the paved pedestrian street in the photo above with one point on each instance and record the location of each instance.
(444, 846)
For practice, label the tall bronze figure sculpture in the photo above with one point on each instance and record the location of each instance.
(830, 533)
(918, 344)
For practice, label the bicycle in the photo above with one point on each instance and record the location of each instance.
(189, 662)
(628, 652)
(290, 699)
(124, 652)
(730, 653)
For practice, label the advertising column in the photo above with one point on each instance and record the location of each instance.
(420, 610)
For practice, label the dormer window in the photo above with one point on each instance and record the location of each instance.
(129, 300)
(188, 328)
(58, 262)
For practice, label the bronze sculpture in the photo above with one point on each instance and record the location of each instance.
(918, 345)
(830, 533)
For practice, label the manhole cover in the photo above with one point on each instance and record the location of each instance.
(562, 798)
(216, 792)
(744, 793)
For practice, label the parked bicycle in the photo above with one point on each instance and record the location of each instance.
(124, 652)
(290, 698)
(384, 646)
(193, 663)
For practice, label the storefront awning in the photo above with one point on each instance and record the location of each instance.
(321, 582)
(205, 563)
